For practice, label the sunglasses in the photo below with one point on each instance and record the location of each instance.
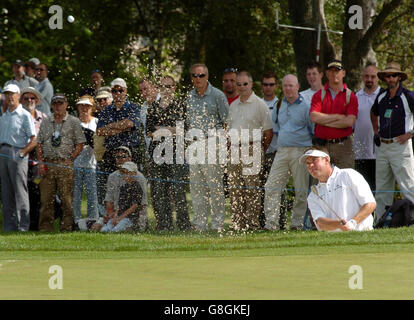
(242, 84)
(268, 84)
(101, 99)
(198, 75)
(394, 75)
(117, 91)
(122, 157)
(230, 70)
(29, 98)
(167, 86)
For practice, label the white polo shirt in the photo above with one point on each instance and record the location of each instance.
(346, 191)
(363, 133)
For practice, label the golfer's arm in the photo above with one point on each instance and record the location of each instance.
(364, 212)
(327, 224)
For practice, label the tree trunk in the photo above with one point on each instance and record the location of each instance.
(354, 53)
(309, 13)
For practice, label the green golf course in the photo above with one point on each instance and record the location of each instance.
(164, 266)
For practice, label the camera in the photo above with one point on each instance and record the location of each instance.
(56, 139)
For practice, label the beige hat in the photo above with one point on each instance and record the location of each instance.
(130, 166)
(392, 67)
(103, 94)
(32, 90)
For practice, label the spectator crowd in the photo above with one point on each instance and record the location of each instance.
(223, 142)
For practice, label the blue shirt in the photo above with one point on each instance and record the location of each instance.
(294, 125)
(396, 114)
(209, 111)
(46, 91)
(110, 114)
(17, 127)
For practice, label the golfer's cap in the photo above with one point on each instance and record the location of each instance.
(124, 149)
(84, 101)
(130, 166)
(335, 64)
(119, 82)
(313, 153)
(58, 97)
(11, 88)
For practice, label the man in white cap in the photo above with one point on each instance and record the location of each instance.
(30, 97)
(17, 139)
(120, 124)
(394, 108)
(342, 200)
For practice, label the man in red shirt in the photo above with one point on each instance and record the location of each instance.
(334, 109)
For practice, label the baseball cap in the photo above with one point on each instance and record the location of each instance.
(36, 61)
(125, 149)
(19, 62)
(130, 166)
(103, 94)
(59, 97)
(12, 88)
(313, 153)
(335, 64)
(118, 82)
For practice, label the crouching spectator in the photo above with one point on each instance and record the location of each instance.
(126, 201)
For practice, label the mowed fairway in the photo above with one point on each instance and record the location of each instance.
(269, 265)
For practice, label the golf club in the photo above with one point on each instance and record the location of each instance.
(315, 191)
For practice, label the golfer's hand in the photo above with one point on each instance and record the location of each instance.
(343, 226)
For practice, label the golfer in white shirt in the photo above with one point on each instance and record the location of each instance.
(342, 200)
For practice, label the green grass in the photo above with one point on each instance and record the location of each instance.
(267, 265)
(173, 265)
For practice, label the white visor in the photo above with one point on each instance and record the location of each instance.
(313, 153)
(84, 101)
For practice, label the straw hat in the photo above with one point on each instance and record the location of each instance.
(392, 67)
